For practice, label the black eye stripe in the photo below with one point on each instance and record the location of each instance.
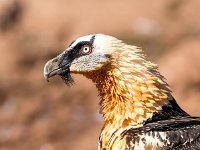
(80, 44)
(74, 52)
(92, 39)
(71, 43)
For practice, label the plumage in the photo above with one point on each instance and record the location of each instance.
(137, 105)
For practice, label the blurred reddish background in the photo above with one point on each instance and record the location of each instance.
(36, 115)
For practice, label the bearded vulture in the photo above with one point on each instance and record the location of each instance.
(136, 103)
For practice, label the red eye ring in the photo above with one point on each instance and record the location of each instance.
(86, 49)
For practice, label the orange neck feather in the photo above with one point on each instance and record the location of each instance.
(128, 100)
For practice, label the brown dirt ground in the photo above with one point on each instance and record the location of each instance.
(36, 115)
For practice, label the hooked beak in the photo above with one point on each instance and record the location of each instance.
(51, 68)
(59, 66)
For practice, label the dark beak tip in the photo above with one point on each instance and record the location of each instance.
(46, 77)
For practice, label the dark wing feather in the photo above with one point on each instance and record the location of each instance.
(183, 133)
(168, 111)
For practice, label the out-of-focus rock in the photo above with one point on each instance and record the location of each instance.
(10, 12)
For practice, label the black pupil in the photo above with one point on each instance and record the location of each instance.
(86, 49)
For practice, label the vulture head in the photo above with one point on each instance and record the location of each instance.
(84, 55)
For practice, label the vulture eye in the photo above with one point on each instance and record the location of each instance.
(86, 49)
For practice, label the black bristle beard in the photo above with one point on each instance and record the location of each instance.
(67, 78)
